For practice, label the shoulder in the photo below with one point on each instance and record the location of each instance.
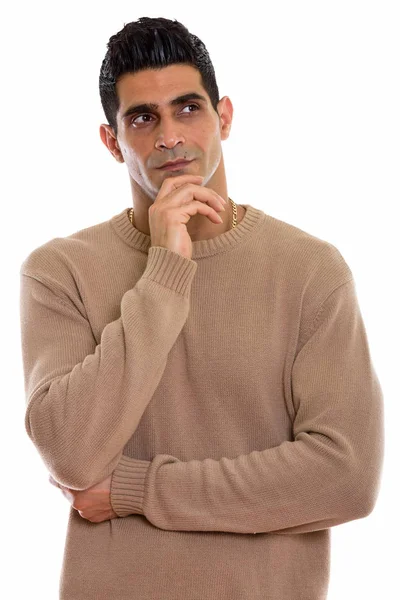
(302, 268)
(60, 251)
(312, 258)
(61, 263)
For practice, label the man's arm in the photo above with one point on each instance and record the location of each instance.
(328, 475)
(84, 401)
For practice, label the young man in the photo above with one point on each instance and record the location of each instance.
(197, 373)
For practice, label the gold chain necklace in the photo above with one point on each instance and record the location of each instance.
(234, 219)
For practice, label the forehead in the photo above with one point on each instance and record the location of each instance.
(157, 85)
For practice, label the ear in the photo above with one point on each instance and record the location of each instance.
(225, 111)
(109, 139)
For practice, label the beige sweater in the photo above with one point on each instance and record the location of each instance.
(232, 396)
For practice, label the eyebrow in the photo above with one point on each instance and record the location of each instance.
(149, 106)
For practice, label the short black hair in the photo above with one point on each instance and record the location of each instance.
(152, 43)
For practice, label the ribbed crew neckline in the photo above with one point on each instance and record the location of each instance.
(253, 218)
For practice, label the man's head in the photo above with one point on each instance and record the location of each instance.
(156, 61)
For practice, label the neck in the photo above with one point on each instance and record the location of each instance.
(199, 226)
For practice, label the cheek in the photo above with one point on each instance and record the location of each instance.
(131, 160)
(214, 150)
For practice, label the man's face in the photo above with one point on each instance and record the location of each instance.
(190, 130)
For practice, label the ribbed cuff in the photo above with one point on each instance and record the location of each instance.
(127, 486)
(170, 269)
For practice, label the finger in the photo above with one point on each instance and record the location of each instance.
(195, 207)
(172, 183)
(187, 194)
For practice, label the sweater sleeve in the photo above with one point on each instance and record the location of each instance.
(85, 400)
(329, 474)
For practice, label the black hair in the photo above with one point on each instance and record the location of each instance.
(152, 43)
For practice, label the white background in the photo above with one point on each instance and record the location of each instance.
(314, 142)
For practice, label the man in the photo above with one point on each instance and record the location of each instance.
(197, 373)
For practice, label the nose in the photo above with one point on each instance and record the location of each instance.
(169, 136)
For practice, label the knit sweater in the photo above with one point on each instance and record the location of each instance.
(231, 396)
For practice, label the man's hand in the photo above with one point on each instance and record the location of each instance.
(93, 504)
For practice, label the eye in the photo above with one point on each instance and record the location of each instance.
(134, 120)
(195, 105)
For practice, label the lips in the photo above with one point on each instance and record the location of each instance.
(178, 164)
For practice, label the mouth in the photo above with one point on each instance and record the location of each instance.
(176, 166)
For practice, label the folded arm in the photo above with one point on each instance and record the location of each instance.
(328, 475)
(85, 400)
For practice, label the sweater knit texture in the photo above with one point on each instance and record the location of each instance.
(231, 396)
